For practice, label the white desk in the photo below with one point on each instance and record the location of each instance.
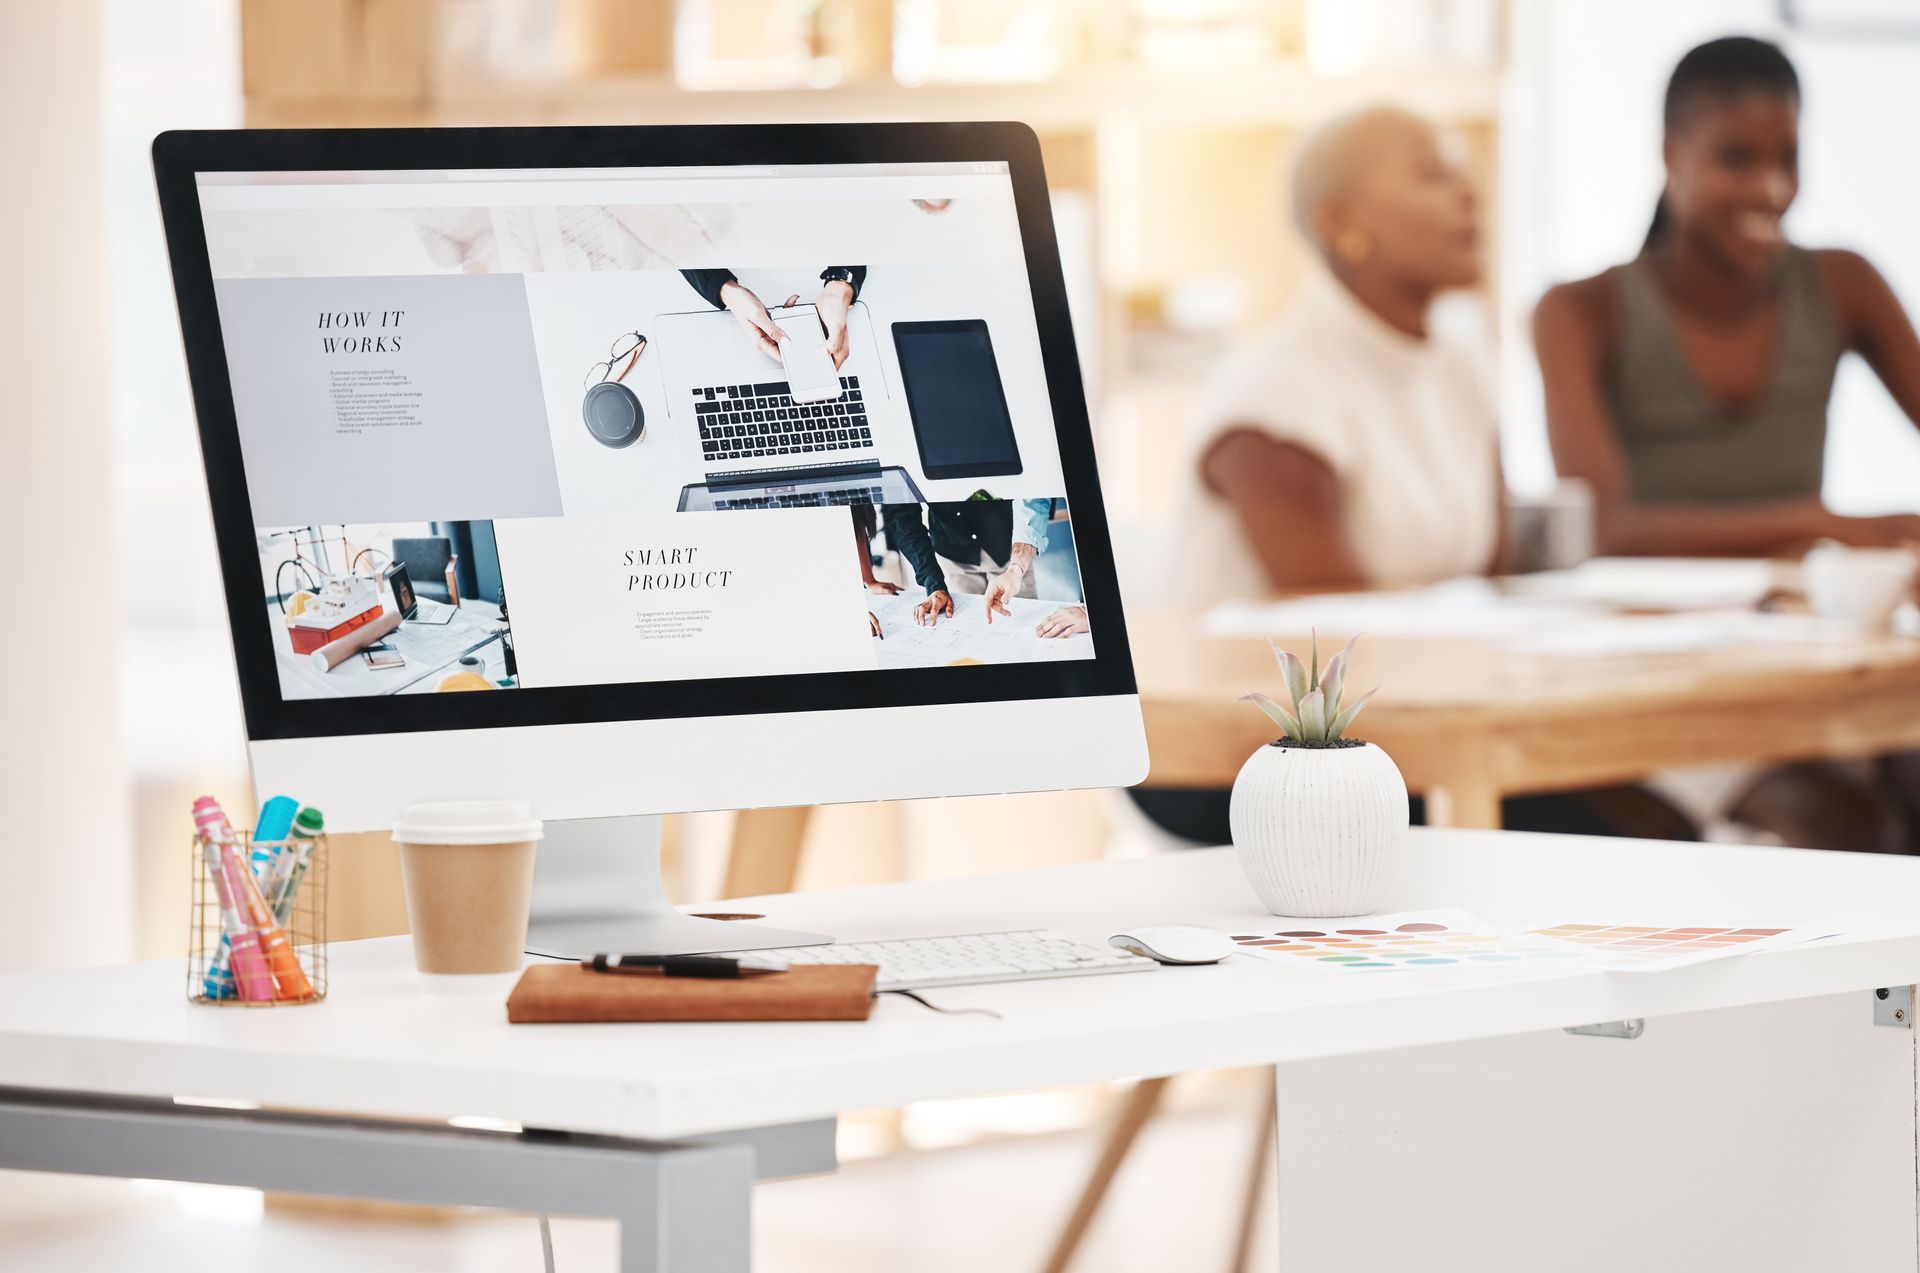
(377, 1047)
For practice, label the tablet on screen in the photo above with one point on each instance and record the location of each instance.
(959, 409)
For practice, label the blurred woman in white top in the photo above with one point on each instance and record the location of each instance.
(1349, 443)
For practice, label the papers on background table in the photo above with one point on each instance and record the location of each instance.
(1608, 634)
(1573, 613)
(1660, 583)
(968, 635)
(1457, 608)
(1454, 939)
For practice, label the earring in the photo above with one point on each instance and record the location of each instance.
(1353, 246)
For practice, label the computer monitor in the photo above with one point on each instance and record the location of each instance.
(456, 387)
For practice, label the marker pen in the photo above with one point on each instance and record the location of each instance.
(306, 831)
(269, 833)
(250, 971)
(280, 859)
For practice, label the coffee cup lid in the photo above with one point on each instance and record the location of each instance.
(468, 822)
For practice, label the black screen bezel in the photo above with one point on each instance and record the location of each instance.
(179, 156)
(1011, 444)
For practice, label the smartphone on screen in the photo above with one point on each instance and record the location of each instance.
(811, 375)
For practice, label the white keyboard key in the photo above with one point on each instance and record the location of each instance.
(971, 958)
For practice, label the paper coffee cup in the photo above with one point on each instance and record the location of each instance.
(468, 868)
(1861, 586)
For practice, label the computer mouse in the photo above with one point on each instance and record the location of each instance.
(613, 414)
(1176, 943)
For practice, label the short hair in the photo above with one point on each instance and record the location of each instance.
(1728, 67)
(1722, 68)
(1332, 156)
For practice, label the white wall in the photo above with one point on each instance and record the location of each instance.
(1581, 172)
(66, 863)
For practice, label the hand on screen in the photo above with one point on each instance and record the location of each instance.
(1063, 622)
(873, 623)
(1005, 584)
(753, 316)
(831, 305)
(882, 588)
(930, 610)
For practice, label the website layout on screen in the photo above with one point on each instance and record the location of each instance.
(584, 427)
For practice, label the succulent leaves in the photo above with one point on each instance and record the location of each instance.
(1319, 713)
(1338, 725)
(1293, 674)
(1280, 715)
(1313, 715)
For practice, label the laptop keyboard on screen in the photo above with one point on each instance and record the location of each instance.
(758, 421)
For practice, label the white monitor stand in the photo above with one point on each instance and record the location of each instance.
(597, 888)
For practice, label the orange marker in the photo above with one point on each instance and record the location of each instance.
(288, 981)
(243, 895)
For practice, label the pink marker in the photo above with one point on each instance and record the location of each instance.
(250, 971)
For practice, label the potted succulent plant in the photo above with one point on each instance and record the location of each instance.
(1318, 818)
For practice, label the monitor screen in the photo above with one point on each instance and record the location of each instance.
(659, 426)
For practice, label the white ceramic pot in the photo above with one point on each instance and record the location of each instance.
(1319, 830)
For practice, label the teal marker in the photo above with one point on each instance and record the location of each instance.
(275, 821)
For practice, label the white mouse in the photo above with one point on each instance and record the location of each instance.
(1176, 943)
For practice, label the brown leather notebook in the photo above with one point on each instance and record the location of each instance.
(549, 993)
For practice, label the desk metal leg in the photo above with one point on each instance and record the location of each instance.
(683, 1206)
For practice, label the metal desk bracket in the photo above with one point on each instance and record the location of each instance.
(683, 1206)
(1631, 1028)
(1893, 1006)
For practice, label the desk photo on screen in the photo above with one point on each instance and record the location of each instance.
(971, 582)
(394, 608)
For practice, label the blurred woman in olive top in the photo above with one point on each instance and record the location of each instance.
(1690, 385)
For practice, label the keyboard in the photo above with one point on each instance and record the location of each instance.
(920, 963)
(742, 422)
(808, 499)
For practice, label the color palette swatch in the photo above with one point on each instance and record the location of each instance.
(1423, 939)
(1634, 947)
(1456, 940)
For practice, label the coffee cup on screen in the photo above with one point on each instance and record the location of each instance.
(1862, 586)
(468, 871)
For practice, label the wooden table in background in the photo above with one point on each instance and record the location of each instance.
(1469, 722)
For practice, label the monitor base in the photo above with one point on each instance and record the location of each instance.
(597, 889)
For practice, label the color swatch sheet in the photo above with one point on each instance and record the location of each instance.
(1417, 940)
(1639, 947)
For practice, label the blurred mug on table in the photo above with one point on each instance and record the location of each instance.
(1862, 586)
(1552, 531)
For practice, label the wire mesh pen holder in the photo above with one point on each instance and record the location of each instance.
(258, 932)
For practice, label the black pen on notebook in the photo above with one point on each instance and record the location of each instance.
(712, 966)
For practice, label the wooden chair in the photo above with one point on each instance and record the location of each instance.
(1135, 1112)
